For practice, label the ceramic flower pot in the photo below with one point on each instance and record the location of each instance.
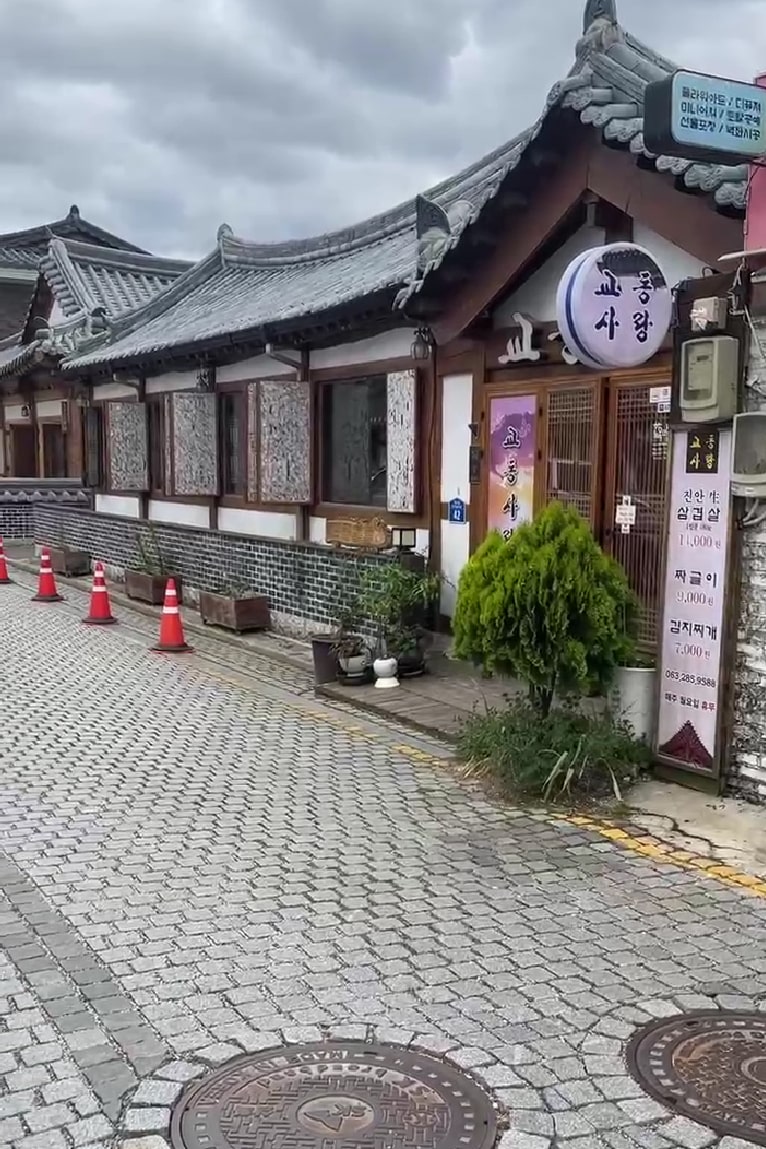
(385, 673)
(633, 697)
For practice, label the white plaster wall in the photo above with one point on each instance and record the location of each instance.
(49, 408)
(171, 381)
(258, 367)
(125, 505)
(537, 297)
(109, 391)
(422, 542)
(457, 410)
(674, 262)
(182, 514)
(13, 413)
(267, 524)
(396, 344)
(317, 530)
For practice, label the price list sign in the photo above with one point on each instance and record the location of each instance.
(695, 588)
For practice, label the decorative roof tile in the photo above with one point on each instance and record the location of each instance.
(246, 287)
(84, 277)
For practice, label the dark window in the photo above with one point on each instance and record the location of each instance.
(54, 451)
(231, 424)
(354, 433)
(94, 447)
(155, 414)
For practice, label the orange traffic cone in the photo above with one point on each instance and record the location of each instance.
(172, 639)
(100, 613)
(46, 587)
(4, 580)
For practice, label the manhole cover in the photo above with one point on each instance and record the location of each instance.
(334, 1094)
(708, 1066)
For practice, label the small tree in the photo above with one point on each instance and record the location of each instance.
(547, 606)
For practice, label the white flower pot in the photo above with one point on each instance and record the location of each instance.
(385, 673)
(633, 698)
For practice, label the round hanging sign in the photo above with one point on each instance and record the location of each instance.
(614, 306)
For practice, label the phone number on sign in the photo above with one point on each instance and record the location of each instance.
(691, 679)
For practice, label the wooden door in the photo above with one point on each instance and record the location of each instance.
(23, 451)
(638, 451)
(54, 450)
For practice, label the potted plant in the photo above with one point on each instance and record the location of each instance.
(235, 607)
(399, 599)
(351, 651)
(68, 561)
(146, 581)
(633, 696)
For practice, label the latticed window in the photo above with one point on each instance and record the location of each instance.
(571, 448)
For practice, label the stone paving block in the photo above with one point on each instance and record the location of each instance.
(90, 1129)
(143, 1120)
(156, 1092)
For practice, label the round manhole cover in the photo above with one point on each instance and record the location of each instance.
(334, 1094)
(708, 1066)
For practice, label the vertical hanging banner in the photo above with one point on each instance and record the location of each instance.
(688, 718)
(511, 493)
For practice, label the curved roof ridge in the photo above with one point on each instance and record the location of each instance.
(126, 260)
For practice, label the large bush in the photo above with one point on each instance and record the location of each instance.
(546, 606)
(563, 756)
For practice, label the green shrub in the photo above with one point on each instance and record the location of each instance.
(563, 755)
(547, 606)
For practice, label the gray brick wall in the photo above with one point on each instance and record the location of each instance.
(747, 769)
(305, 582)
(15, 519)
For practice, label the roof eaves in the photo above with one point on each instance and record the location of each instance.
(606, 89)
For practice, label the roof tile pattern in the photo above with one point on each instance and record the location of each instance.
(84, 277)
(243, 286)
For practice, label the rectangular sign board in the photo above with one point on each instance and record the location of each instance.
(705, 118)
(692, 666)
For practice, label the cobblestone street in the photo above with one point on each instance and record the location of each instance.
(200, 860)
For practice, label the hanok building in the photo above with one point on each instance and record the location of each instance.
(58, 284)
(275, 399)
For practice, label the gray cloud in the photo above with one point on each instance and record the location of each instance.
(287, 117)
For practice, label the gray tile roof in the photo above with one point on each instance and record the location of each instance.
(242, 287)
(85, 276)
(14, 356)
(23, 246)
(23, 257)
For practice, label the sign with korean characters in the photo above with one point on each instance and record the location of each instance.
(707, 118)
(614, 306)
(688, 720)
(511, 494)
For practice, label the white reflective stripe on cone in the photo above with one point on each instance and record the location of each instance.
(170, 610)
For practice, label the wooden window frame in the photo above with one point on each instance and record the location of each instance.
(361, 510)
(426, 385)
(239, 395)
(158, 402)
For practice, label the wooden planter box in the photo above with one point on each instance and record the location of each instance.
(150, 588)
(68, 562)
(237, 614)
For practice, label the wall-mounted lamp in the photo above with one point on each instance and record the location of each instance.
(403, 538)
(421, 347)
(206, 378)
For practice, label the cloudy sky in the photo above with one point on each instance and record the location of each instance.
(162, 118)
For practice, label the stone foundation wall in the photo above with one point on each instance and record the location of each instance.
(307, 584)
